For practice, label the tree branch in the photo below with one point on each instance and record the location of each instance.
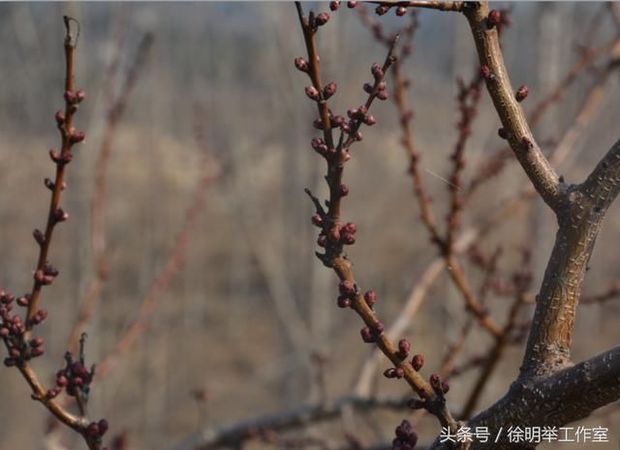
(514, 122)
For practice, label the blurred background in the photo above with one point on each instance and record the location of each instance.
(246, 324)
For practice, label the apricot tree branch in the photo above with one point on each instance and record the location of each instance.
(516, 128)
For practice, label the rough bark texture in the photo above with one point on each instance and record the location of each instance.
(550, 390)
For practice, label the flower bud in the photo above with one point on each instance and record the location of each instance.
(60, 215)
(343, 301)
(367, 335)
(401, 11)
(404, 347)
(351, 4)
(347, 287)
(301, 64)
(376, 71)
(417, 362)
(382, 95)
(343, 190)
(317, 220)
(494, 18)
(77, 136)
(503, 133)
(485, 72)
(80, 95)
(38, 236)
(70, 97)
(329, 90)
(334, 5)
(60, 118)
(321, 19)
(103, 426)
(312, 93)
(521, 93)
(370, 297)
(381, 9)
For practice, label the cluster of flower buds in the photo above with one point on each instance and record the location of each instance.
(71, 135)
(440, 387)
(74, 98)
(96, 430)
(406, 438)
(75, 378)
(371, 334)
(348, 293)
(384, 9)
(318, 20)
(394, 372)
(46, 275)
(12, 329)
(337, 234)
(379, 86)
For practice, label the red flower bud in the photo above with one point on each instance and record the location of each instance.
(347, 287)
(321, 19)
(351, 4)
(485, 71)
(401, 11)
(343, 301)
(503, 133)
(92, 430)
(103, 426)
(312, 93)
(445, 387)
(329, 90)
(382, 9)
(404, 347)
(417, 362)
(370, 297)
(494, 18)
(382, 95)
(301, 64)
(60, 215)
(334, 5)
(367, 335)
(521, 93)
(60, 118)
(70, 97)
(317, 220)
(77, 136)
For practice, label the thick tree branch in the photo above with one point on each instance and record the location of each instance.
(514, 122)
(580, 219)
(564, 397)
